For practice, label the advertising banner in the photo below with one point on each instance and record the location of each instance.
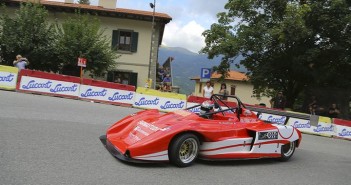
(323, 128)
(8, 77)
(47, 86)
(273, 118)
(157, 102)
(103, 94)
(342, 131)
(301, 124)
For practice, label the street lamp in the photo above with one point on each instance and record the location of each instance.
(153, 6)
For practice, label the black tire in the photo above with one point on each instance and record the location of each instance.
(184, 150)
(287, 151)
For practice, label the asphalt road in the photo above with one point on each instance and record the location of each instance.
(50, 140)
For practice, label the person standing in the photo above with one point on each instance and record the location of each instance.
(223, 91)
(160, 74)
(279, 101)
(20, 62)
(333, 111)
(207, 91)
(167, 79)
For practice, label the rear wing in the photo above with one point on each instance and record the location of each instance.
(274, 112)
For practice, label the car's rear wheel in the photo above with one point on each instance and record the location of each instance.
(287, 151)
(184, 150)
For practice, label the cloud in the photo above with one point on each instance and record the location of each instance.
(210, 8)
(188, 36)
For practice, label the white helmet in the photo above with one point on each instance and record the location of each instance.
(206, 107)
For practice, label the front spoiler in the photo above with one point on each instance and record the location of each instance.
(116, 153)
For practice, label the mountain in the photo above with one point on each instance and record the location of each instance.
(187, 64)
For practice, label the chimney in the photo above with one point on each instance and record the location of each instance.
(111, 4)
(69, 1)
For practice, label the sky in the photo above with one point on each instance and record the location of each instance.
(189, 19)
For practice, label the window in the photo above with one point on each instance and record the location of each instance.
(232, 89)
(121, 77)
(125, 40)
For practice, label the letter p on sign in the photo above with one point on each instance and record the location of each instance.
(205, 74)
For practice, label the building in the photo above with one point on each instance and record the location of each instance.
(131, 32)
(237, 84)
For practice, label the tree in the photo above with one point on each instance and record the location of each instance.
(28, 33)
(81, 36)
(84, 2)
(288, 45)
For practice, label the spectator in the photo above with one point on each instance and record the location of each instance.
(125, 79)
(207, 91)
(313, 101)
(312, 104)
(333, 111)
(167, 79)
(167, 71)
(20, 62)
(118, 80)
(279, 101)
(223, 91)
(313, 109)
(167, 87)
(160, 74)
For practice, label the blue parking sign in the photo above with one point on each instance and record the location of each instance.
(205, 74)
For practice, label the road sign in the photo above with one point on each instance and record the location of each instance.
(82, 62)
(205, 74)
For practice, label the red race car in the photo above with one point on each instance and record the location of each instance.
(217, 132)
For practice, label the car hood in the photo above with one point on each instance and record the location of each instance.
(137, 128)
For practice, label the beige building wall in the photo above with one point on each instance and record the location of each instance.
(137, 62)
(243, 90)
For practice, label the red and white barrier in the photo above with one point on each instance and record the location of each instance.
(323, 128)
(107, 92)
(48, 84)
(273, 118)
(163, 101)
(342, 128)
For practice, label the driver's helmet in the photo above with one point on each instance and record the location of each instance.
(206, 107)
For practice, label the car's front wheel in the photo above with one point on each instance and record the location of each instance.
(184, 150)
(287, 151)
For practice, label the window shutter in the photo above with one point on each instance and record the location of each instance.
(110, 76)
(115, 38)
(135, 36)
(133, 79)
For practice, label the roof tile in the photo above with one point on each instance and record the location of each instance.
(233, 75)
(99, 8)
